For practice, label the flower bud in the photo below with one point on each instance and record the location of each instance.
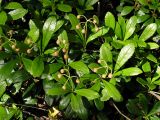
(83, 31)
(64, 87)
(62, 71)
(110, 75)
(29, 51)
(64, 50)
(77, 81)
(59, 75)
(103, 75)
(17, 49)
(66, 56)
(58, 42)
(78, 16)
(56, 53)
(99, 61)
(78, 26)
(95, 69)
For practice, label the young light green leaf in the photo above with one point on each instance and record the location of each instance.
(48, 29)
(13, 5)
(3, 18)
(64, 7)
(110, 91)
(34, 31)
(152, 58)
(157, 74)
(130, 27)
(102, 31)
(122, 24)
(110, 20)
(37, 67)
(88, 93)
(118, 31)
(155, 109)
(125, 54)
(153, 45)
(56, 91)
(90, 2)
(17, 13)
(105, 53)
(132, 71)
(126, 10)
(148, 32)
(143, 2)
(79, 66)
(146, 67)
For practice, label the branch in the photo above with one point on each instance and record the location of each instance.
(154, 94)
(127, 118)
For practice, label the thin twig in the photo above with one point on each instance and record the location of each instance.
(27, 106)
(154, 94)
(120, 112)
(30, 114)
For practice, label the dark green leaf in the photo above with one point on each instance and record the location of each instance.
(110, 91)
(155, 109)
(88, 93)
(125, 54)
(64, 7)
(48, 29)
(64, 102)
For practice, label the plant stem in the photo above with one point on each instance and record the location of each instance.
(127, 118)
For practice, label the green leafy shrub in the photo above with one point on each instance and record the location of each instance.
(58, 61)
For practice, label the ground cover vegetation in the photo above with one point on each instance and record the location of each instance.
(79, 59)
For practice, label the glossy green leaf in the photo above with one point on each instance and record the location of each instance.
(102, 31)
(88, 93)
(125, 54)
(132, 71)
(56, 91)
(157, 74)
(152, 58)
(105, 53)
(78, 107)
(143, 2)
(99, 104)
(126, 10)
(146, 67)
(110, 20)
(64, 7)
(48, 30)
(3, 85)
(90, 2)
(3, 18)
(142, 18)
(155, 109)
(130, 27)
(13, 5)
(110, 91)
(79, 66)
(64, 102)
(18, 13)
(153, 45)
(34, 31)
(6, 70)
(28, 64)
(122, 24)
(148, 32)
(118, 31)
(37, 67)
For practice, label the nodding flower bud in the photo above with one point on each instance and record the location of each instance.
(64, 50)
(99, 61)
(13, 46)
(59, 75)
(66, 56)
(95, 69)
(96, 29)
(83, 31)
(58, 42)
(56, 53)
(110, 75)
(78, 26)
(94, 21)
(17, 49)
(103, 75)
(64, 87)
(78, 16)
(29, 51)
(62, 71)
(77, 81)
